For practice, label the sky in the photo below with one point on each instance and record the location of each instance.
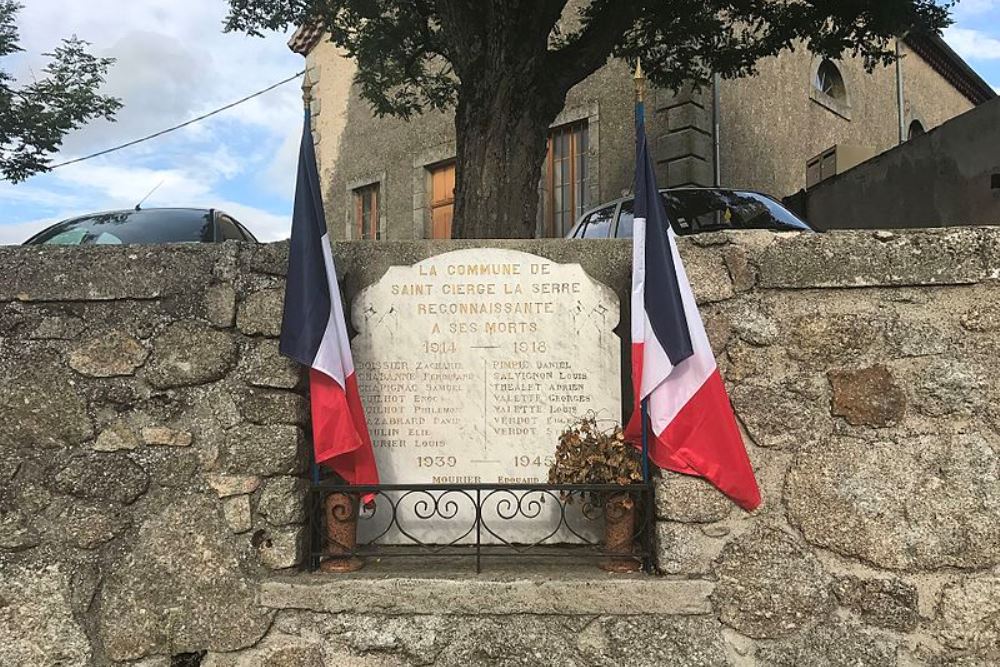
(174, 63)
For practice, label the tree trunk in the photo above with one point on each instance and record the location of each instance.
(500, 136)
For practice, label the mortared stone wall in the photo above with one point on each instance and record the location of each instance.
(153, 448)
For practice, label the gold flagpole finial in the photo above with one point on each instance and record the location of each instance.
(640, 81)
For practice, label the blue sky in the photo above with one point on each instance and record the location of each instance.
(174, 63)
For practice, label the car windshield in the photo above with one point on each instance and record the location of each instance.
(125, 227)
(696, 210)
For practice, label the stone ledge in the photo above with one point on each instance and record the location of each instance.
(571, 594)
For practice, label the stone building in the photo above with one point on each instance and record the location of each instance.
(800, 120)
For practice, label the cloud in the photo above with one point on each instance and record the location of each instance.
(973, 44)
(19, 232)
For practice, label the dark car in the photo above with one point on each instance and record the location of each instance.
(150, 225)
(692, 211)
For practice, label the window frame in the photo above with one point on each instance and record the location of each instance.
(574, 129)
(371, 191)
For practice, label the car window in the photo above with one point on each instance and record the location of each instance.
(152, 226)
(707, 210)
(625, 220)
(228, 231)
(598, 224)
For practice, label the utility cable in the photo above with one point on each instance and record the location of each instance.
(182, 125)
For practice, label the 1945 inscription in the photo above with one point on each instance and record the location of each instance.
(472, 362)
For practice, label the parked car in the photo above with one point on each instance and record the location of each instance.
(692, 211)
(149, 225)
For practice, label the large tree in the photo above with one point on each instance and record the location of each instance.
(35, 116)
(507, 65)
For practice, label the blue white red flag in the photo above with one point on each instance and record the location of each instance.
(314, 333)
(693, 428)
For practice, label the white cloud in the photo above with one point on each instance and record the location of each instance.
(973, 44)
(967, 8)
(19, 232)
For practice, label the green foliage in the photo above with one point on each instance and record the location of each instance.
(35, 116)
(414, 55)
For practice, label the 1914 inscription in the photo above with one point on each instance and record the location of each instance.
(471, 363)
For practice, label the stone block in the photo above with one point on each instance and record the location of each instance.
(220, 305)
(114, 353)
(260, 313)
(782, 414)
(190, 353)
(949, 387)
(101, 273)
(708, 275)
(101, 476)
(689, 499)
(116, 437)
(275, 650)
(237, 512)
(171, 595)
(651, 641)
(41, 409)
(820, 339)
(82, 524)
(232, 485)
(919, 503)
(282, 500)
(263, 366)
(268, 258)
(949, 256)
(263, 450)
(689, 171)
(742, 272)
(262, 406)
(280, 548)
(689, 115)
(888, 603)
(540, 593)
(163, 435)
(970, 614)
(37, 625)
(685, 549)
(982, 317)
(867, 396)
(16, 530)
(770, 586)
(683, 142)
(832, 644)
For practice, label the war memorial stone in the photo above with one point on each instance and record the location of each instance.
(472, 362)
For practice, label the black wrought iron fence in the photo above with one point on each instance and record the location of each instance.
(480, 521)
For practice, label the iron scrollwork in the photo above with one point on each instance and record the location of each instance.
(483, 520)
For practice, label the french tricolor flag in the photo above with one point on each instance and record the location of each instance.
(314, 333)
(693, 428)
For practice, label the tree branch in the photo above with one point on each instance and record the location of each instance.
(590, 47)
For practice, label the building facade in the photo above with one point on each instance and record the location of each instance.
(800, 120)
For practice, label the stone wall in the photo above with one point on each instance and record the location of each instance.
(152, 444)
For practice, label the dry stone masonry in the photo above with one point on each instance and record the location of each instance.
(153, 448)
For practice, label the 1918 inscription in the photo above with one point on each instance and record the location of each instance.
(472, 362)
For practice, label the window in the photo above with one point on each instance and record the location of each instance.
(829, 81)
(228, 231)
(597, 225)
(442, 199)
(916, 129)
(366, 201)
(565, 183)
